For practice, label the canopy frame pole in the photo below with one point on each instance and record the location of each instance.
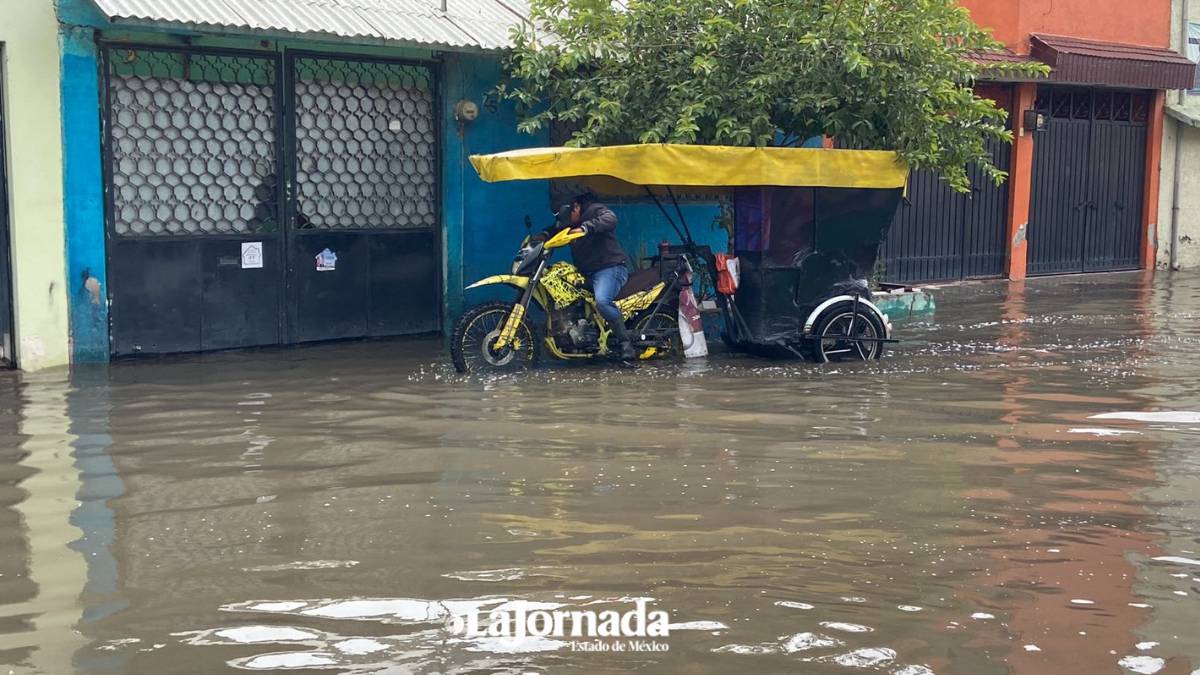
(670, 220)
(682, 221)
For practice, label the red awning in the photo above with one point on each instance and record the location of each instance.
(1111, 64)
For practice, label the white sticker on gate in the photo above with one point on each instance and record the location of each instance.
(252, 255)
(326, 261)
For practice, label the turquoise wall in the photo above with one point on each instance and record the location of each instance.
(484, 222)
(83, 196)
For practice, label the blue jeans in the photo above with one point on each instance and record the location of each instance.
(606, 284)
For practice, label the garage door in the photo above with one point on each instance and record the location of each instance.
(1088, 181)
(943, 235)
(258, 199)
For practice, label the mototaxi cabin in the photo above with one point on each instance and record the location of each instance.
(808, 224)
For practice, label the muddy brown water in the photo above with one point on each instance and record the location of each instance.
(1016, 489)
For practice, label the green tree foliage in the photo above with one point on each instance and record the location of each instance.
(883, 74)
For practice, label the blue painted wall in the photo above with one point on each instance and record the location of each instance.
(84, 195)
(483, 223)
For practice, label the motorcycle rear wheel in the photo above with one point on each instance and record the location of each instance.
(475, 334)
(657, 324)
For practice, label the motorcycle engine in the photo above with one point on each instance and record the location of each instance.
(574, 333)
(585, 336)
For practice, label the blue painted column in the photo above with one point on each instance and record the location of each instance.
(484, 222)
(453, 165)
(84, 195)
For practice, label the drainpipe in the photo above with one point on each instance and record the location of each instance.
(1185, 36)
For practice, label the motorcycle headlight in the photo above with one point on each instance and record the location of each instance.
(517, 265)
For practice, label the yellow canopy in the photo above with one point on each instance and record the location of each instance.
(627, 169)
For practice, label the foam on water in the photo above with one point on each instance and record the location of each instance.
(698, 625)
(1105, 432)
(255, 634)
(870, 657)
(292, 660)
(1176, 559)
(1173, 417)
(304, 565)
(1145, 665)
(359, 646)
(846, 627)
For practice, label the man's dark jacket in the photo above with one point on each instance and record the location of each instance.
(600, 248)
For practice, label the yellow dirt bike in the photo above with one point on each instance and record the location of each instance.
(499, 336)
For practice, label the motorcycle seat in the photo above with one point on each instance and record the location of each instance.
(641, 280)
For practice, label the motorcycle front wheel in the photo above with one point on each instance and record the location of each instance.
(472, 345)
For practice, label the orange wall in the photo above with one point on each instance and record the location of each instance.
(1002, 17)
(1141, 22)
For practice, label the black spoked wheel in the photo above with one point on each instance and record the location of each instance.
(661, 329)
(473, 344)
(848, 336)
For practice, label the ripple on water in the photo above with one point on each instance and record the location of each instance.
(869, 657)
(287, 660)
(802, 642)
(791, 604)
(913, 670)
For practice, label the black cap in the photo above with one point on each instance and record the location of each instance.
(563, 215)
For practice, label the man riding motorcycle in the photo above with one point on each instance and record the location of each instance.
(598, 256)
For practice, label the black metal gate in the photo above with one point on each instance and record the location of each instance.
(6, 305)
(257, 198)
(942, 235)
(1088, 181)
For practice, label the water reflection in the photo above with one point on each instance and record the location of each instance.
(41, 578)
(1015, 490)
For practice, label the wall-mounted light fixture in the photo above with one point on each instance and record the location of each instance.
(466, 111)
(1035, 122)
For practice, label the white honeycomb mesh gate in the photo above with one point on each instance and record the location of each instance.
(192, 143)
(365, 145)
(235, 179)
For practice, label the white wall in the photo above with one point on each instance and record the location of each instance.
(1187, 218)
(29, 39)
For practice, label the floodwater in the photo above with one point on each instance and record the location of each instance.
(1015, 489)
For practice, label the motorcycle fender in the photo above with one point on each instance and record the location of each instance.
(865, 304)
(507, 279)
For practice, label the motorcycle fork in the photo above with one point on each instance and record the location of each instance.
(517, 313)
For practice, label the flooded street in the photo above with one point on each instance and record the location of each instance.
(1016, 488)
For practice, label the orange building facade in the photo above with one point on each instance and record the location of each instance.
(1146, 23)
(1083, 186)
